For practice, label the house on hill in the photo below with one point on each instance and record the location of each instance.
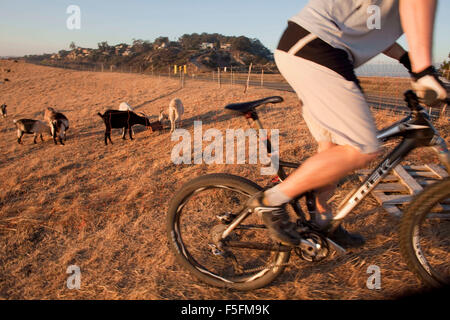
(127, 53)
(86, 52)
(79, 53)
(160, 46)
(72, 55)
(207, 45)
(225, 46)
(120, 49)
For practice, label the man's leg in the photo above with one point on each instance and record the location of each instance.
(324, 168)
(336, 112)
(323, 212)
(324, 215)
(319, 172)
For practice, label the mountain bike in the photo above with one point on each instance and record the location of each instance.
(217, 239)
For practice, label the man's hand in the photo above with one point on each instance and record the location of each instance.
(428, 87)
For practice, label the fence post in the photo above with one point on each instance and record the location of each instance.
(262, 77)
(248, 77)
(443, 110)
(231, 76)
(181, 80)
(218, 77)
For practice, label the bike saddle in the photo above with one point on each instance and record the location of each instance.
(245, 107)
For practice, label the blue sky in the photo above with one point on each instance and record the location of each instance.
(34, 27)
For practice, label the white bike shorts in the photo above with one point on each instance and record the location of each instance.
(334, 108)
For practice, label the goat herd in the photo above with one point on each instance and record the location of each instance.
(56, 124)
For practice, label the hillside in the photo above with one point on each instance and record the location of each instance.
(103, 208)
(199, 53)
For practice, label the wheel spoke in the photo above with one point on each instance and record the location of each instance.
(425, 234)
(202, 221)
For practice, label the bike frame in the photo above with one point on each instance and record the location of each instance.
(416, 130)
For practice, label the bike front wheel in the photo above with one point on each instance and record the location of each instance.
(198, 215)
(425, 234)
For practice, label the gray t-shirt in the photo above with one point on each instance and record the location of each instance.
(352, 25)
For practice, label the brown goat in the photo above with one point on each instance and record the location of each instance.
(58, 123)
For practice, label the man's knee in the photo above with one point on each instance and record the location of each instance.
(325, 145)
(360, 159)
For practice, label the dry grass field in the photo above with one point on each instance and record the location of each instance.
(103, 207)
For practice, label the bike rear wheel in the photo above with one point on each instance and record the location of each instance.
(425, 234)
(195, 221)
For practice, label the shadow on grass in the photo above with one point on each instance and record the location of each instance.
(156, 99)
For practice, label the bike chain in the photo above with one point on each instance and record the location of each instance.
(269, 266)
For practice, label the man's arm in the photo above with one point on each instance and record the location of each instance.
(395, 51)
(417, 17)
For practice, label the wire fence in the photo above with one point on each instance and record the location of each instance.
(383, 83)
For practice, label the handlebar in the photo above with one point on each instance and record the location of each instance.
(413, 103)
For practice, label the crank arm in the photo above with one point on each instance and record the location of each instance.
(339, 250)
(251, 227)
(257, 246)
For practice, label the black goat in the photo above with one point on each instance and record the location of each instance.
(115, 119)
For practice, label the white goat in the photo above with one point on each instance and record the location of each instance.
(125, 107)
(30, 126)
(174, 113)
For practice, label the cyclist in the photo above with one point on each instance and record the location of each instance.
(317, 55)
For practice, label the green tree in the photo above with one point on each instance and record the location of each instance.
(103, 46)
(140, 45)
(159, 41)
(63, 53)
(242, 44)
